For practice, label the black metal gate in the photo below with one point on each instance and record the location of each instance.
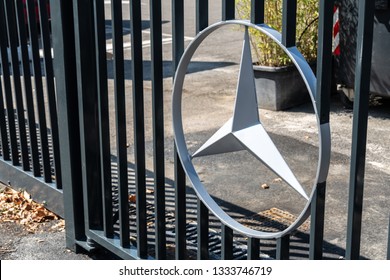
(108, 201)
(29, 150)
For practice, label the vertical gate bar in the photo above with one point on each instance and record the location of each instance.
(158, 127)
(89, 127)
(289, 22)
(283, 248)
(139, 127)
(317, 222)
(253, 249)
(104, 121)
(69, 130)
(3, 124)
(7, 87)
(28, 90)
(37, 71)
(359, 129)
(8, 97)
(9, 104)
(180, 177)
(324, 55)
(227, 243)
(177, 31)
(203, 231)
(324, 77)
(228, 11)
(202, 15)
(51, 94)
(13, 45)
(257, 11)
(180, 209)
(388, 241)
(120, 119)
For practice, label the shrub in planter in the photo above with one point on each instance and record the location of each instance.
(269, 58)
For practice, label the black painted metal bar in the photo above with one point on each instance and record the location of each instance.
(359, 130)
(324, 77)
(104, 120)
(7, 86)
(13, 46)
(37, 71)
(226, 243)
(388, 241)
(257, 11)
(177, 31)
(66, 88)
(283, 248)
(5, 142)
(253, 249)
(89, 128)
(202, 15)
(3, 126)
(50, 89)
(289, 22)
(28, 90)
(120, 119)
(139, 126)
(180, 210)
(158, 127)
(228, 9)
(203, 231)
(317, 222)
(324, 55)
(180, 177)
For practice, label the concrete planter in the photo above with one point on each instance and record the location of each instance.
(279, 88)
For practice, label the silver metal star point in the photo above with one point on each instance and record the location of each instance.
(244, 130)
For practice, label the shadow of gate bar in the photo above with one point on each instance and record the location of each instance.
(97, 185)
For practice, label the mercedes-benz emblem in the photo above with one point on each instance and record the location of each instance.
(244, 130)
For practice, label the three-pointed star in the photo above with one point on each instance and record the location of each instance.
(244, 130)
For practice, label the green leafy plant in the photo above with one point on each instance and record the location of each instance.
(267, 52)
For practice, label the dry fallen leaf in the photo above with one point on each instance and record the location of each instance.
(278, 180)
(132, 198)
(264, 186)
(149, 191)
(20, 208)
(59, 226)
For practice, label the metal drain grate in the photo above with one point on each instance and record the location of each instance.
(272, 220)
(215, 244)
